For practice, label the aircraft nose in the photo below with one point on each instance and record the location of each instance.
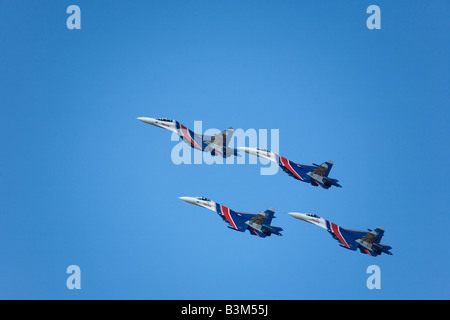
(297, 215)
(189, 200)
(147, 120)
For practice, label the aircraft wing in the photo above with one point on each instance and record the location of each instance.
(370, 236)
(347, 238)
(367, 241)
(219, 143)
(221, 139)
(319, 176)
(293, 169)
(318, 183)
(235, 219)
(259, 224)
(370, 243)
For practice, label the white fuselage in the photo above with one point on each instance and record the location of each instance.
(265, 154)
(311, 218)
(201, 202)
(161, 123)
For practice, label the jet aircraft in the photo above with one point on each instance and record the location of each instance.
(257, 223)
(217, 145)
(366, 242)
(316, 175)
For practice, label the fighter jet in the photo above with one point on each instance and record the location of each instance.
(366, 242)
(316, 175)
(257, 223)
(217, 145)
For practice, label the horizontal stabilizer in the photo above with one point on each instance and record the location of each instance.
(382, 248)
(272, 229)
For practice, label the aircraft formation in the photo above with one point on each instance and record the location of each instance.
(259, 224)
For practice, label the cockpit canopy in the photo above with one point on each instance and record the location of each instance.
(203, 199)
(164, 119)
(263, 149)
(312, 215)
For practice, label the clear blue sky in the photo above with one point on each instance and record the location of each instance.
(83, 182)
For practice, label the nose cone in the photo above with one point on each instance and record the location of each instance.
(296, 215)
(189, 200)
(151, 121)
